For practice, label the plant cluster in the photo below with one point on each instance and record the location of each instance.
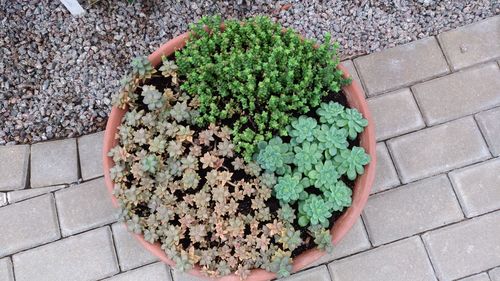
(185, 186)
(228, 156)
(312, 166)
(256, 76)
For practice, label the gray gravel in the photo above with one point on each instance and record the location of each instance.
(57, 72)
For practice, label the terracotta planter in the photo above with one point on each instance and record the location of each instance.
(355, 98)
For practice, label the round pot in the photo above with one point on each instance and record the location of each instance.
(356, 99)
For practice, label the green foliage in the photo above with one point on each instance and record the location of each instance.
(142, 67)
(329, 112)
(152, 97)
(302, 129)
(257, 74)
(281, 263)
(324, 174)
(186, 180)
(286, 213)
(181, 185)
(306, 156)
(290, 239)
(289, 187)
(353, 121)
(351, 162)
(314, 210)
(322, 238)
(339, 195)
(274, 156)
(331, 139)
(149, 164)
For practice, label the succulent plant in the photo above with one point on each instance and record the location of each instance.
(329, 112)
(324, 174)
(351, 162)
(331, 139)
(302, 129)
(187, 181)
(353, 121)
(152, 97)
(289, 187)
(314, 210)
(281, 263)
(150, 163)
(274, 155)
(322, 238)
(306, 156)
(290, 239)
(180, 112)
(286, 213)
(339, 195)
(168, 69)
(142, 66)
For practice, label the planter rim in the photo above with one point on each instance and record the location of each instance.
(362, 187)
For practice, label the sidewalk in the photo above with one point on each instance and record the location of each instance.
(434, 212)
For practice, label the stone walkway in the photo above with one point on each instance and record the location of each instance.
(434, 213)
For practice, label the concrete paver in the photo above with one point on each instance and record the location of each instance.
(465, 248)
(53, 163)
(14, 160)
(411, 209)
(478, 187)
(90, 155)
(488, 122)
(130, 253)
(394, 114)
(85, 206)
(385, 174)
(472, 44)
(402, 260)
(28, 224)
(438, 149)
(401, 66)
(87, 256)
(19, 195)
(154, 272)
(356, 240)
(6, 272)
(459, 94)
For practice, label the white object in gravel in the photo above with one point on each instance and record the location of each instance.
(73, 7)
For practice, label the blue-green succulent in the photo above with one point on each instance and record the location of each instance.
(273, 156)
(329, 112)
(306, 156)
(339, 195)
(314, 210)
(353, 121)
(331, 139)
(351, 162)
(289, 187)
(324, 174)
(302, 129)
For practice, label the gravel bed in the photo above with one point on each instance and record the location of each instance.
(57, 72)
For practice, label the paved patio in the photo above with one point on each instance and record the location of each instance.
(434, 213)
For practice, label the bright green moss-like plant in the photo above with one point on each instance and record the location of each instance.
(257, 75)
